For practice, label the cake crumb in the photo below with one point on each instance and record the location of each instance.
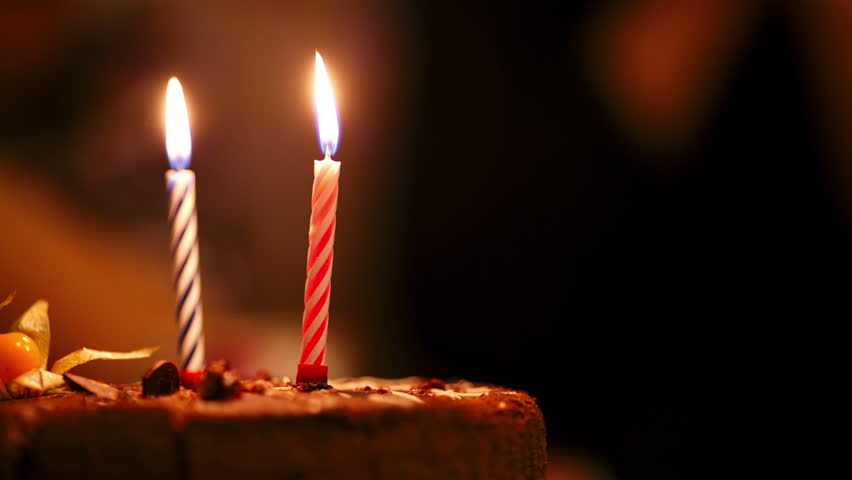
(310, 387)
(256, 386)
(433, 383)
(220, 382)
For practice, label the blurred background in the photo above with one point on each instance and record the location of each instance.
(638, 211)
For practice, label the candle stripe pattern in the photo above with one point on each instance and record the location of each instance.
(320, 260)
(187, 280)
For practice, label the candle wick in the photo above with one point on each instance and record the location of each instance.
(328, 150)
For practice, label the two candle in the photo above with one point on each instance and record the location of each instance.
(180, 183)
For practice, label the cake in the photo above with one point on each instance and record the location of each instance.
(356, 428)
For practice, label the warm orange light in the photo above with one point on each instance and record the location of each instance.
(328, 123)
(178, 138)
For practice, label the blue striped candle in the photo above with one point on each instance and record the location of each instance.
(180, 183)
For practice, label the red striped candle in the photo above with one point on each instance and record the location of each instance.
(312, 367)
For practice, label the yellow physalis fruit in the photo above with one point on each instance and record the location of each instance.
(18, 354)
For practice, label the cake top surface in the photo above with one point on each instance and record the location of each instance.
(281, 398)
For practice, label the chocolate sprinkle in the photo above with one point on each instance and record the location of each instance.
(433, 383)
(310, 387)
(163, 378)
(220, 382)
(92, 387)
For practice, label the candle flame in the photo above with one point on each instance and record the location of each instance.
(178, 138)
(328, 122)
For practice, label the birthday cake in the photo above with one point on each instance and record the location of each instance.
(226, 427)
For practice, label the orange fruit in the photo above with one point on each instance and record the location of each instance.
(18, 354)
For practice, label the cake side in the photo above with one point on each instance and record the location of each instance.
(362, 428)
(10, 446)
(373, 428)
(80, 436)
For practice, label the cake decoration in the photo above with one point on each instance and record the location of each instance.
(220, 382)
(312, 367)
(163, 378)
(20, 354)
(30, 350)
(86, 385)
(183, 223)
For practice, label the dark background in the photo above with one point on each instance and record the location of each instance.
(636, 211)
(678, 308)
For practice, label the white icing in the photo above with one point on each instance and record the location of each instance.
(395, 398)
(456, 395)
(397, 391)
(406, 395)
(277, 389)
(401, 384)
(472, 389)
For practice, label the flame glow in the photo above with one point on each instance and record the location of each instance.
(328, 122)
(178, 138)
